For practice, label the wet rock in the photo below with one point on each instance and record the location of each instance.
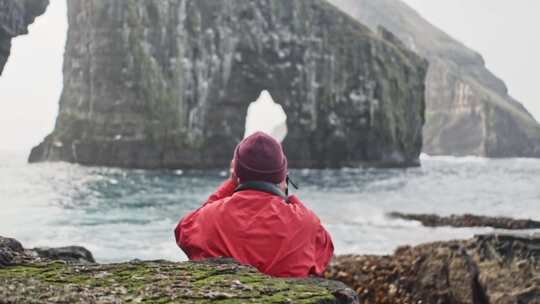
(9, 250)
(167, 84)
(70, 254)
(15, 16)
(341, 292)
(468, 220)
(469, 110)
(491, 268)
(12, 252)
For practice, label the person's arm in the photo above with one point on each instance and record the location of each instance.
(189, 222)
(186, 241)
(225, 190)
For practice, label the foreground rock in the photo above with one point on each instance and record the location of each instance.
(469, 110)
(167, 84)
(28, 279)
(15, 16)
(468, 220)
(495, 269)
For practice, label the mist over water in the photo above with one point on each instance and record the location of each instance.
(124, 214)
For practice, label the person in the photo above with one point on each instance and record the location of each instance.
(251, 219)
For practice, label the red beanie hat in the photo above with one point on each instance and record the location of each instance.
(260, 157)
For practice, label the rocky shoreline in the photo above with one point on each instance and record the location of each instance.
(493, 268)
(468, 220)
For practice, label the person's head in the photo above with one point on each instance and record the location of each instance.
(259, 157)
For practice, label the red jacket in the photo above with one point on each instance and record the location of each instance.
(258, 229)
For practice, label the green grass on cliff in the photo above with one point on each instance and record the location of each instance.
(152, 282)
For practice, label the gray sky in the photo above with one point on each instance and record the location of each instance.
(506, 33)
(31, 83)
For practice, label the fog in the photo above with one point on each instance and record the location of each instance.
(31, 83)
(506, 33)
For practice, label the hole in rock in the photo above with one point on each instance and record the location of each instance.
(266, 116)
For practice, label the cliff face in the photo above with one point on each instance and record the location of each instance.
(469, 111)
(166, 84)
(15, 16)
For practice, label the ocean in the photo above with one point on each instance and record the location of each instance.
(124, 214)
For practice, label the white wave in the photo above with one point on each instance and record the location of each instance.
(450, 158)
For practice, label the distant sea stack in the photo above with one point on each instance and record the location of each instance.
(469, 111)
(167, 84)
(15, 16)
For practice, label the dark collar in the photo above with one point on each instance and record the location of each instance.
(262, 186)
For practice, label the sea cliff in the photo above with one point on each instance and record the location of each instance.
(167, 84)
(469, 110)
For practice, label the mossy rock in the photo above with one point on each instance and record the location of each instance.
(219, 281)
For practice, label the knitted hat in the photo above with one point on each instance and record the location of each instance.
(260, 157)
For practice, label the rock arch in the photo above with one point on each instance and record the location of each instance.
(170, 92)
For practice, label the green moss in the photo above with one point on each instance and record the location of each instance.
(157, 282)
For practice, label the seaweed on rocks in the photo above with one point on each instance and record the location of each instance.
(493, 268)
